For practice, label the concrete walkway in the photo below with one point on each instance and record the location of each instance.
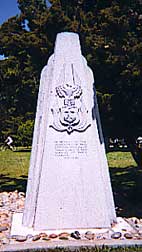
(69, 245)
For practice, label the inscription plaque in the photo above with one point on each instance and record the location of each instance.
(70, 149)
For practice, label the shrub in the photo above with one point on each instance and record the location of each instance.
(24, 133)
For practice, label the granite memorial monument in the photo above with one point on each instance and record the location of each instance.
(68, 184)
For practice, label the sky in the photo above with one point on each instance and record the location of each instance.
(8, 8)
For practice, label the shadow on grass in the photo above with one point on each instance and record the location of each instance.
(127, 190)
(126, 184)
(116, 149)
(11, 184)
(25, 150)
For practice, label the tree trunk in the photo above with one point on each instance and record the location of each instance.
(135, 150)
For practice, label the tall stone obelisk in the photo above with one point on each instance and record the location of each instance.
(68, 183)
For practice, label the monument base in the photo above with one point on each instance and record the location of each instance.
(18, 229)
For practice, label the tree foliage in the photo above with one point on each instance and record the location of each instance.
(110, 33)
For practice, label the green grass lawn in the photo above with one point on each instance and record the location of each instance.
(125, 177)
(126, 183)
(119, 159)
(14, 170)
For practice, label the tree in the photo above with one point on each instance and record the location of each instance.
(118, 55)
(20, 70)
